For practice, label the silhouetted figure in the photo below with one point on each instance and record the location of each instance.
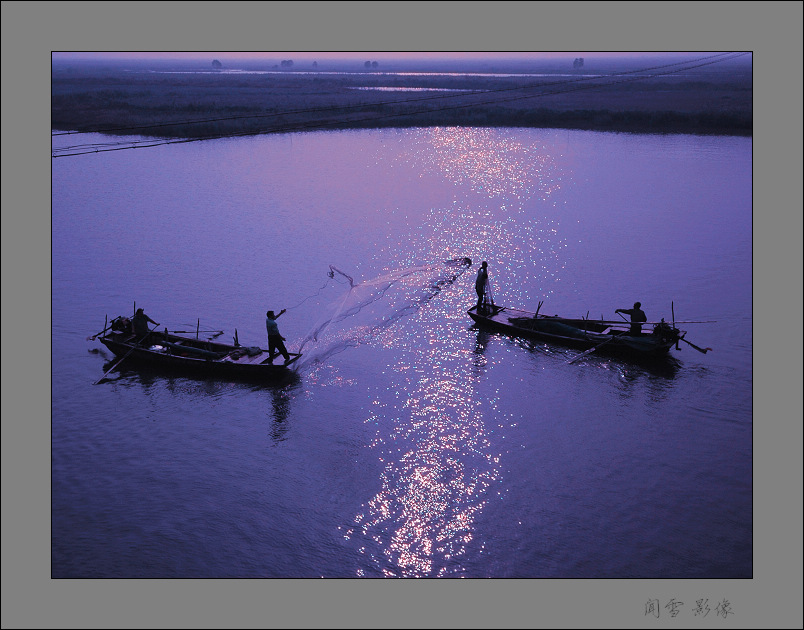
(276, 342)
(637, 317)
(140, 324)
(481, 284)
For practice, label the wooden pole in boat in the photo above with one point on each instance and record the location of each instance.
(611, 321)
(190, 332)
(197, 327)
(583, 354)
(133, 348)
(673, 314)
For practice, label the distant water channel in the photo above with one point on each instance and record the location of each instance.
(412, 444)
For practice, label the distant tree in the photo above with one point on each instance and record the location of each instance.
(287, 63)
(315, 64)
(578, 63)
(367, 64)
(216, 64)
(374, 64)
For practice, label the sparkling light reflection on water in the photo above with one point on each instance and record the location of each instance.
(439, 464)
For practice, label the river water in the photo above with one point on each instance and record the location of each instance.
(411, 444)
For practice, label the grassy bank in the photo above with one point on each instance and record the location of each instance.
(200, 104)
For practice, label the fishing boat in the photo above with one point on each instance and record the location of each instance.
(194, 355)
(607, 337)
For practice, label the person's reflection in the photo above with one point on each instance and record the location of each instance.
(481, 343)
(280, 405)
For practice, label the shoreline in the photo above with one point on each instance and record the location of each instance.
(195, 105)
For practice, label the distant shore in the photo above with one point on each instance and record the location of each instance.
(209, 104)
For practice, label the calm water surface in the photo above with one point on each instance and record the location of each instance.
(412, 444)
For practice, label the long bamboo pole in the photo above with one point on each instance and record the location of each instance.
(583, 354)
(190, 332)
(602, 321)
(133, 348)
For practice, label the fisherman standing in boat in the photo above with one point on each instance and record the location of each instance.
(276, 342)
(637, 317)
(481, 284)
(140, 324)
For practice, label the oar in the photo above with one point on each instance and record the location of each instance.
(703, 350)
(583, 354)
(134, 347)
(105, 328)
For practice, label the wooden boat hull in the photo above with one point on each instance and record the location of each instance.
(185, 355)
(611, 338)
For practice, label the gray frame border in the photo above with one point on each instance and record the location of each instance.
(31, 30)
